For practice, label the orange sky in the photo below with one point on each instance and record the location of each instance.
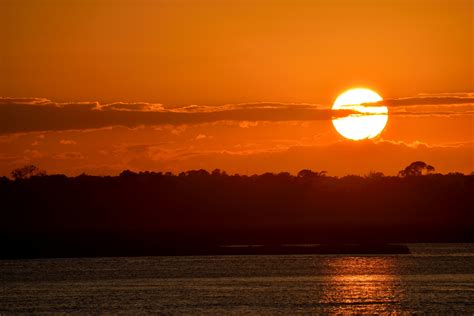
(101, 77)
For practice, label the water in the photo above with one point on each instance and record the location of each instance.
(434, 279)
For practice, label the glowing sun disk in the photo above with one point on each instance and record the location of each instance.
(359, 126)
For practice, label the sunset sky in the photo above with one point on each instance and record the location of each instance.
(99, 86)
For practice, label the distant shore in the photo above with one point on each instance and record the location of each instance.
(213, 250)
(323, 249)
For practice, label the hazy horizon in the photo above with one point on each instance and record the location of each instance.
(244, 86)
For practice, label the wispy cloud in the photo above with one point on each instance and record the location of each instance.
(339, 158)
(23, 115)
(432, 113)
(67, 142)
(38, 114)
(439, 99)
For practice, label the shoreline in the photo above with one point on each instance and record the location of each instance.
(218, 250)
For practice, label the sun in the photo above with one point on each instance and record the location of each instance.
(368, 123)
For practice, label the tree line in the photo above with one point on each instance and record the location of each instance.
(416, 168)
(145, 211)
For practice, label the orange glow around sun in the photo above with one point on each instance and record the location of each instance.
(360, 126)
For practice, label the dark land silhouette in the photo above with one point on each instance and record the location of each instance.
(197, 212)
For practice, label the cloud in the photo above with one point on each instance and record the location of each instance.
(67, 142)
(24, 115)
(10, 159)
(440, 99)
(7, 100)
(34, 154)
(443, 104)
(453, 94)
(432, 113)
(143, 107)
(69, 155)
(339, 158)
(37, 114)
(247, 124)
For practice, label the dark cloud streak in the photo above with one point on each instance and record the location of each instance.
(422, 100)
(21, 115)
(30, 116)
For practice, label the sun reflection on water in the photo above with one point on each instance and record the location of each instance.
(362, 284)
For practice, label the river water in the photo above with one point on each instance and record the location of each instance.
(435, 278)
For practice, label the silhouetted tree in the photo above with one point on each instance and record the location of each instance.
(416, 168)
(27, 172)
(128, 173)
(306, 173)
(430, 169)
(455, 174)
(374, 175)
(218, 172)
(200, 172)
